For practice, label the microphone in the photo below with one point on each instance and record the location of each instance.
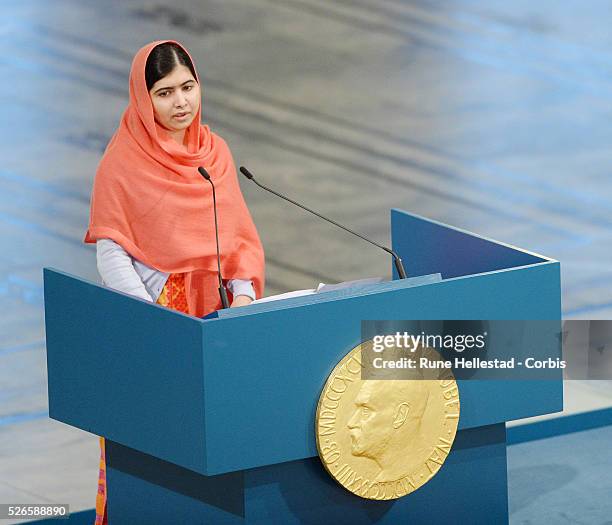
(222, 291)
(397, 261)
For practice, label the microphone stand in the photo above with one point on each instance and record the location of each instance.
(396, 259)
(222, 291)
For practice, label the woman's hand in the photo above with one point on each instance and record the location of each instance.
(241, 300)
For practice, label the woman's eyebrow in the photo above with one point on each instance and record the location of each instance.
(172, 87)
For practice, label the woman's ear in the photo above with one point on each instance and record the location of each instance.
(401, 414)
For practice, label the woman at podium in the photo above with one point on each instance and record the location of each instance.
(151, 213)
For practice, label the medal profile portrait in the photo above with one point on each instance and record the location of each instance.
(385, 438)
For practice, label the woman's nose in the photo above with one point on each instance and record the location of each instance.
(180, 99)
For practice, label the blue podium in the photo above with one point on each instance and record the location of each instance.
(212, 421)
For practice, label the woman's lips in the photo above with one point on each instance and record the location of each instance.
(181, 116)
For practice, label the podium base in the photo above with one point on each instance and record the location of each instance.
(471, 487)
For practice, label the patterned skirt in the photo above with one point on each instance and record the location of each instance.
(172, 296)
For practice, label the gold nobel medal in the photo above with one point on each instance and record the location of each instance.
(384, 438)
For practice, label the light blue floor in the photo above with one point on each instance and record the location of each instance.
(562, 480)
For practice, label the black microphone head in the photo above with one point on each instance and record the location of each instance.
(246, 173)
(204, 173)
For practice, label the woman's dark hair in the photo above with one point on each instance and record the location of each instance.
(163, 59)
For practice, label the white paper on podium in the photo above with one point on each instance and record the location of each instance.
(286, 295)
(320, 289)
(348, 284)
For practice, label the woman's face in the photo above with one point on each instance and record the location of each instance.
(176, 99)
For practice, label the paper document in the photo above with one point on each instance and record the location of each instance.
(286, 295)
(321, 288)
(349, 284)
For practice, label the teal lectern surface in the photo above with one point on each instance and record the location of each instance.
(212, 421)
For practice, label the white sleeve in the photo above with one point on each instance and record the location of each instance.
(241, 287)
(117, 271)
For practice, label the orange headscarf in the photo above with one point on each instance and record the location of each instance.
(149, 197)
